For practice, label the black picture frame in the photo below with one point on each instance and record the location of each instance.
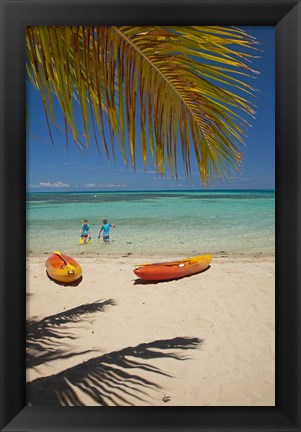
(285, 16)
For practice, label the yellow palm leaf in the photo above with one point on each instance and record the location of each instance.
(188, 85)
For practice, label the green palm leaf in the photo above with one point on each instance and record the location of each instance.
(188, 85)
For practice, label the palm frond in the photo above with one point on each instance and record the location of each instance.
(159, 86)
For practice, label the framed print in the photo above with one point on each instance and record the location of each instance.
(155, 289)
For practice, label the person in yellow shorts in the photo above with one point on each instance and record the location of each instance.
(85, 231)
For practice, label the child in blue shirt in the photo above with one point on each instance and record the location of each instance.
(106, 230)
(85, 231)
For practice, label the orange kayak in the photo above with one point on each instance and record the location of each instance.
(63, 268)
(174, 269)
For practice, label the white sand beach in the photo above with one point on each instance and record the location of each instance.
(207, 339)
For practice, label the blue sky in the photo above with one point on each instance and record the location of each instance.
(56, 168)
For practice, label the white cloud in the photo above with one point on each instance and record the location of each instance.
(105, 185)
(33, 186)
(88, 185)
(58, 184)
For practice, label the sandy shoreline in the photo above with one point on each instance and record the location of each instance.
(208, 339)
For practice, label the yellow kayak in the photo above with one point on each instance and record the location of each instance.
(63, 268)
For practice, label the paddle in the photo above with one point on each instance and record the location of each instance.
(59, 254)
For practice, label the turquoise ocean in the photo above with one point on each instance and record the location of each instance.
(152, 223)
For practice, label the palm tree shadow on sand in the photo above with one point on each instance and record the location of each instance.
(44, 337)
(147, 282)
(111, 379)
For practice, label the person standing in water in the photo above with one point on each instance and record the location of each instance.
(105, 228)
(85, 231)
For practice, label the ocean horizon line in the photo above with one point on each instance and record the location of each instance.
(150, 190)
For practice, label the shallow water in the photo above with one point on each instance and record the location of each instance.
(154, 223)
